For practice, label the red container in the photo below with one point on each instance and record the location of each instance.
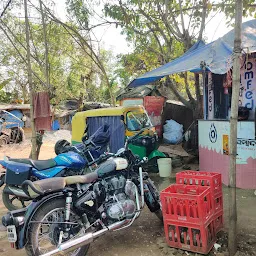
(218, 202)
(218, 221)
(187, 203)
(190, 236)
(211, 179)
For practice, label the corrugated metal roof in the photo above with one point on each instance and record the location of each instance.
(14, 106)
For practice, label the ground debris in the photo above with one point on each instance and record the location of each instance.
(246, 246)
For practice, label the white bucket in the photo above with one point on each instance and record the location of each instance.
(164, 167)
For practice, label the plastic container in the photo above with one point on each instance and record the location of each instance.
(210, 179)
(198, 238)
(164, 167)
(204, 179)
(187, 203)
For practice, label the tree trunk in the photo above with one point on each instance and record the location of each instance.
(47, 77)
(31, 89)
(232, 236)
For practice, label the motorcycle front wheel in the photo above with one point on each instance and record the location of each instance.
(45, 230)
(156, 200)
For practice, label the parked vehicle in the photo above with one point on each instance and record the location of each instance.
(73, 162)
(124, 122)
(10, 128)
(68, 213)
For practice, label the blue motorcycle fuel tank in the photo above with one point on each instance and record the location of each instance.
(70, 159)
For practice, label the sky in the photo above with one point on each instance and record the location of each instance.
(111, 37)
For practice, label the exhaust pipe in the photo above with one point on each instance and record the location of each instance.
(86, 239)
(15, 191)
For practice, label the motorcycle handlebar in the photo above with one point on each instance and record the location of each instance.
(136, 135)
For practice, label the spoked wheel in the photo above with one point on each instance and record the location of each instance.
(13, 202)
(155, 194)
(46, 233)
(17, 135)
(4, 139)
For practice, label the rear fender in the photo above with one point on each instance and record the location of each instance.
(30, 212)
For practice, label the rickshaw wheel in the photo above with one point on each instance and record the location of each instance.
(4, 140)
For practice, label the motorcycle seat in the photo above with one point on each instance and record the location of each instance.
(56, 184)
(40, 165)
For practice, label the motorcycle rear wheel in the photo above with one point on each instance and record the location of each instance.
(52, 211)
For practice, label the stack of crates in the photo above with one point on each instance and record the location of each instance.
(193, 211)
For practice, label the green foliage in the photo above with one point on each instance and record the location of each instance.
(79, 11)
(159, 35)
(4, 83)
(73, 74)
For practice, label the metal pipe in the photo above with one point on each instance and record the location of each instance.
(15, 191)
(141, 188)
(84, 240)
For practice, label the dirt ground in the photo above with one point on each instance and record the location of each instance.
(146, 235)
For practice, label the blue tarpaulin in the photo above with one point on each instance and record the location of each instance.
(117, 130)
(217, 55)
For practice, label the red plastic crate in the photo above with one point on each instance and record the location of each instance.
(187, 203)
(190, 237)
(218, 221)
(218, 202)
(211, 179)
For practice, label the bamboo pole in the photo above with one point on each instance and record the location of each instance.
(31, 89)
(232, 236)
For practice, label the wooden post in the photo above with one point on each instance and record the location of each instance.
(232, 236)
(31, 89)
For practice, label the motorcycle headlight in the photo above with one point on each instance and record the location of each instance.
(144, 142)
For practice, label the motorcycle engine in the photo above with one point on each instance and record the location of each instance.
(120, 198)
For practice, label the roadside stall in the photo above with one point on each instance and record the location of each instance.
(214, 62)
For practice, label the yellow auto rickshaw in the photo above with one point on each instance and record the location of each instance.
(124, 122)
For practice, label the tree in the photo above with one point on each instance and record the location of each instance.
(79, 31)
(31, 87)
(166, 29)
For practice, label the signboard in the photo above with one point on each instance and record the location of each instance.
(154, 106)
(132, 102)
(210, 97)
(247, 92)
(214, 135)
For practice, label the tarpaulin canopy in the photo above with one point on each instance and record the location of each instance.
(217, 55)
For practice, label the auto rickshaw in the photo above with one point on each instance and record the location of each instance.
(124, 122)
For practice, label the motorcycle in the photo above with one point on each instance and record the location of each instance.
(68, 213)
(73, 162)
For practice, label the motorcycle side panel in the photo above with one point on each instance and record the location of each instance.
(70, 159)
(48, 173)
